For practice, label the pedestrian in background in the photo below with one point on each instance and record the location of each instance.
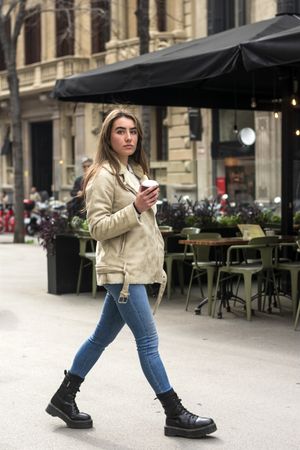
(34, 195)
(4, 198)
(130, 254)
(76, 205)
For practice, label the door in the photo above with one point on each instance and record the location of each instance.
(42, 155)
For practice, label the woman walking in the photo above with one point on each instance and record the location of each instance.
(130, 254)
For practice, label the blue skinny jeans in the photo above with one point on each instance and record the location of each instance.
(137, 314)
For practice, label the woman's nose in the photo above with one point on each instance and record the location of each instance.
(128, 136)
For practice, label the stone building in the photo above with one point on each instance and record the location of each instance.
(57, 135)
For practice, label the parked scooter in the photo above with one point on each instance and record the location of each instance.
(33, 215)
(7, 220)
(40, 211)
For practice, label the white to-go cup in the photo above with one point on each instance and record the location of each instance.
(246, 235)
(270, 232)
(149, 184)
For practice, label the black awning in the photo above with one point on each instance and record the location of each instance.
(202, 72)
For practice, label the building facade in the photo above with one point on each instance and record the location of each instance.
(65, 37)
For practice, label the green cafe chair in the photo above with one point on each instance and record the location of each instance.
(180, 258)
(202, 265)
(87, 258)
(293, 268)
(263, 268)
(297, 317)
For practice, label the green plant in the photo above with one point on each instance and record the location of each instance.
(205, 212)
(51, 226)
(229, 221)
(297, 218)
(79, 224)
(172, 214)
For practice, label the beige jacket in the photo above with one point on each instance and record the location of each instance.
(130, 248)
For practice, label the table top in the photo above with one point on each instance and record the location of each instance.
(214, 242)
(227, 241)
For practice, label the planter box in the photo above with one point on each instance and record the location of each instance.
(63, 267)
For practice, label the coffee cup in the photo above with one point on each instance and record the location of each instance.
(149, 184)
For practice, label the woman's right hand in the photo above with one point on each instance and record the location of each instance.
(146, 199)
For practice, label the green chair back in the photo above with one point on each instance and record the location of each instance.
(83, 242)
(267, 247)
(190, 230)
(202, 253)
(165, 228)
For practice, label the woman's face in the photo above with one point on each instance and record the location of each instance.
(124, 138)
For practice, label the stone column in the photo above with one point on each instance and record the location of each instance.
(178, 13)
(82, 24)
(112, 46)
(80, 150)
(48, 36)
(152, 16)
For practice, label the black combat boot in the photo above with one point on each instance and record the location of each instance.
(63, 403)
(180, 422)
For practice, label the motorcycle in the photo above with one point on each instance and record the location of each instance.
(40, 211)
(34, 212)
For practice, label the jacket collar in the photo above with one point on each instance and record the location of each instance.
(137, 169)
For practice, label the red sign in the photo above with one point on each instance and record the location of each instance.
(221, 185)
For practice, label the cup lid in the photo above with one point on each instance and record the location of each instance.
(149, 183)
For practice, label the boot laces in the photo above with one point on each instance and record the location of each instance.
(180, 409)
(74, 405)
(72, 396)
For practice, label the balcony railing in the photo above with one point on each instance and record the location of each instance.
(44, 74)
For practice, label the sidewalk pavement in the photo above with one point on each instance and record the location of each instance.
(245, 375)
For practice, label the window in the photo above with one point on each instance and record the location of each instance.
(226, 14)
(161, 12)
(65, 30)
(291, 6)
(2, 59)
(32, 31)
(100, 24)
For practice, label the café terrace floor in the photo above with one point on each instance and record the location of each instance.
(244, 374)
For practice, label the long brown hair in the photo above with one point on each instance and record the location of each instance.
(105, 152)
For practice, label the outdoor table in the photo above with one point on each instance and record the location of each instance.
(222, 244)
